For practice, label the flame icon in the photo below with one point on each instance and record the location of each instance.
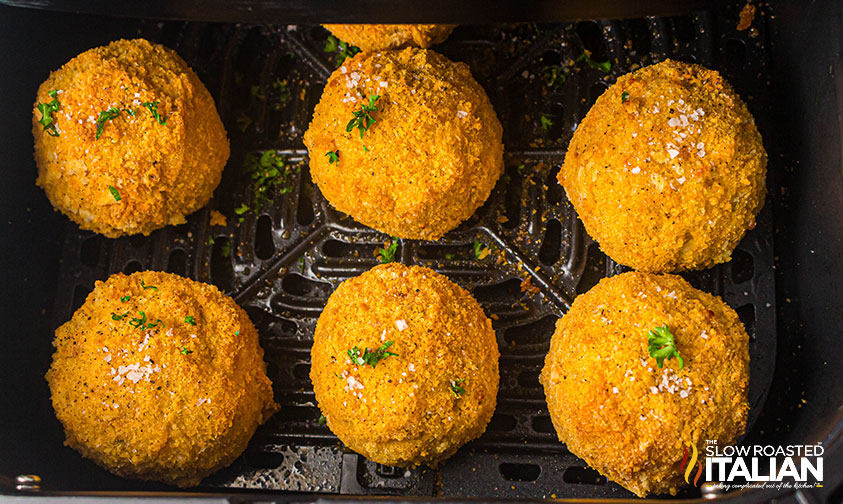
(688, 466)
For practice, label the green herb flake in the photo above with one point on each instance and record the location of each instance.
(546, 121)
(481, 251)
(370, 357)
(104, 116)
(148, 286)
(114, 193)
(554, 76)
(387, 254)
(267, 173)
(153, 109)
(362, 119)
(114, 316)
(323, 420)
(343, 49)
(605, 66)
(449, 256)
(243, 208)
(333, 156)
(663, 346)
(301, 264)
(624, 97)
(139, 322)
(282, 93)
(185, 351)
(155, 324)
(190, 320)
(47, 109)
(125, 298)
(456, 388)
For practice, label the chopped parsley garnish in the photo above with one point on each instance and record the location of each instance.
(148, 286)
(125, 298)
(481, 251)
(370, 357)
(47, 110)
(114, 193)
(266, 172)
(185, 351)
(156, 323)
(449, 256)
(624, 97)
(139, 322)
(387, 254)
(605, 66)
(190, 320)
(554, 76)
(546, 121)
(663, 346)
(301, 264)
(282, 91)
(153, 109)
(333, 156)
(456, 388)
(362, 119)
(114, 316)
(343, 49)
(323, 420)
(106, 115)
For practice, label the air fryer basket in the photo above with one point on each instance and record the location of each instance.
(281, 263)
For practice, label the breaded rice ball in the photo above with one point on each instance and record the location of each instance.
(622, 413)
(404, 365)
(423, 161)
(377, 37)
(160, 378)
(134, 141)
(667, 169)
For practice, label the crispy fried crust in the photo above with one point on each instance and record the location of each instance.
(434, 153)
(162, 172)
(376, 37)
(657, 200)
(172, 403)
(403, 411)
(616, 409)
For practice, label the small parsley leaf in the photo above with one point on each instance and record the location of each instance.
(387, 254)
(106, 115)
(546, 121)
(624, 97)
(333, 156)
(362, 119)
(369, 356)
(139, 322)
(153, 109)
(481, 251)
(125, 298)
(190, 320)
(47, 110)
(185, 351)
(605, 66)
(323, 420)
(114, 193)
(456, 388)
(343, 49)
(148, 286)
(662, 345)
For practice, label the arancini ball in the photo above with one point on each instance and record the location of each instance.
(631, 415)
(160, 378)
(377, 37)
(405, 142)
(667, 170)
(127, 139)
(404, 365)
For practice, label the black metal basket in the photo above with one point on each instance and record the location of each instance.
(282, 262)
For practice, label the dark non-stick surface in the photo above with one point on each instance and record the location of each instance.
(282, 262)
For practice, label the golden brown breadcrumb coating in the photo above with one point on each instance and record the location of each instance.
(421, 405)
(611, 403)
(159, 377)
(160, 172)
(667, 169)
(376, 37)
(428, 162)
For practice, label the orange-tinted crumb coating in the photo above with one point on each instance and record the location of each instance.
(376, 37)
(670, 178)
(434, 152)
(171, 403)
(613, 406)
(162, 172)
(403, 411)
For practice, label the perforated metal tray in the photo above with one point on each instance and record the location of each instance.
(282, 263)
